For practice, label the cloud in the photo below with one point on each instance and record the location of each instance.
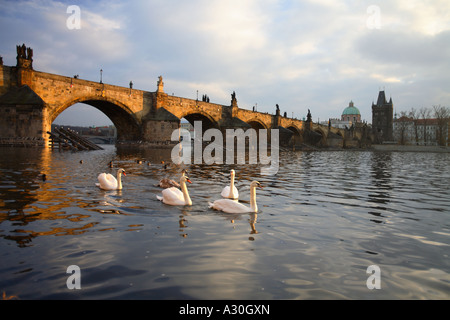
(43, 26)
(417, 17)
(394, 47)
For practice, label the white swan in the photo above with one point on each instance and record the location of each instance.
(230, 191)
(174, 197)
(231, 206)
(108, 182)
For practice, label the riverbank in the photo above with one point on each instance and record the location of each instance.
(409, 148)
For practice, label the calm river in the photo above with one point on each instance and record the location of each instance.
(322, 221)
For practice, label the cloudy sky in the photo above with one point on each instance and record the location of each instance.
(302, 55)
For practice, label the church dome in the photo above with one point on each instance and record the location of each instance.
(351, 110)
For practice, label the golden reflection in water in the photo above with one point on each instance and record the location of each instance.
(55, 210)
(51, 201)
(9, 297)
(59, 231)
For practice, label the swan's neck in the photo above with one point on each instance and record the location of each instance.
(119, 181)
(232, 195)
(253, 204)
(187, 199)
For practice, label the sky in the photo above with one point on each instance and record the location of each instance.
(301, 55)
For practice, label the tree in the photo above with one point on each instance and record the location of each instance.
(425, 115)
(414, 115)
(403, 124)
(442, 115)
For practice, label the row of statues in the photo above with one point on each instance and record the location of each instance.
(308, 117)
(205, 98)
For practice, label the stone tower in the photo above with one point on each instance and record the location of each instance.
(382, 118)
(24, 65)
(24, 57)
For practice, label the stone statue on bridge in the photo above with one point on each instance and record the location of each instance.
(29, 53)
(21, 51)
(233, 96)
(160, 84)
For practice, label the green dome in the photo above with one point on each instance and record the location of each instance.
(351, 109)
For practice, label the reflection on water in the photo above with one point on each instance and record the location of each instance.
(322, 220)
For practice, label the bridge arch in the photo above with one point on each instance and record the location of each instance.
(257, 124)
(127, 126)
(207, 121)
(297, 137)
(323, 139)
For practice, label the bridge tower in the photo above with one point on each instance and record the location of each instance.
(24, 65)
(382, 118)
(21, 109)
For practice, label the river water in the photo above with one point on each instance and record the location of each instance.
(322, 221)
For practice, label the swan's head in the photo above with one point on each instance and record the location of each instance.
(121, 171)
(185, 179)
(256, 184)
(232, 172)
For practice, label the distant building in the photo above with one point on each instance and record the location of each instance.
(420, 131)
(187, 126)
(337, 123)
(351, 114)
(404, 130)
(382, 119)
(350, 117)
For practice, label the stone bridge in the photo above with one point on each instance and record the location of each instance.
(31, 100)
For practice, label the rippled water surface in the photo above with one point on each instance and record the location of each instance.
(322, 221)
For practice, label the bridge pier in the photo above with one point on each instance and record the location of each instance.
(22, 116)
(158, 126)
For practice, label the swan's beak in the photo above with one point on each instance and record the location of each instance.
(188, 180)
(123, 172)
